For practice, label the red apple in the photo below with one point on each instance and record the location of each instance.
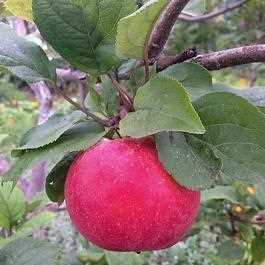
(120, 197)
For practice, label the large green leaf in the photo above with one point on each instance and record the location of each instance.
(12, 205)
(30, 252)
(220, 193)
(191, 162)
(23, 58)
(115, 258)
(20, 8)
(131, 41)
(80, 137)
(196, 79)
(161, 104)
(50, 131)
(36, 222)
(235, 131)
(82, 31)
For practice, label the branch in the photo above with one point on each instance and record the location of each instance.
(81, 108)
(232, 57)
(190, 18)
(164, 60)
(219, 60)
(163, 27)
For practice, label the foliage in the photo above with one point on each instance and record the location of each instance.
(18, 217)
(207, 137)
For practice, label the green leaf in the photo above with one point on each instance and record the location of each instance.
(220, 193)
(230, 251)
(20, 8)
(161, 105)
(235, 132)
(196, 79)
(257, 249)
(56, 179)
(191, 162)
(109, 97)
(82, 31)
(116, 258)
(80, 137)
(29, 251)
(246, 232)
(130, 41)
(49, 131)
(12, 205)
(36, 222)
(93, 100)
(262, 109)
(89, 256)
(23, 58)
(31, 206)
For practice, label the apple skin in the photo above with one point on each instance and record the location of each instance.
(120, 197)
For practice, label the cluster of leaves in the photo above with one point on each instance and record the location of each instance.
(16, 116)
(227, 212)
(18, 217)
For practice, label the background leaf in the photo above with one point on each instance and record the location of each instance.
(82, 31)
(257, 249)
(29, 251)
(230, 251)
(35, 223)
(12, 205)
(24, 58)
(80, 137)
(130, 41)
(116, 258)
(20, 8)
(191, 163)
(161, 105)
(220, 193)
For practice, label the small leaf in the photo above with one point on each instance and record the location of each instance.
(29, 251)
(49, 131)
(257, 249)
(36, 222)
(220, 193)
(130, 41)
(81, 31)
(246, 232)
(109, 97)
(56, 179)
(235, 132)
(12, 205)
(23, 58)
(80, 137)
(196, 79)
(93, 100)
(161, 105)
(20, 8)
(192, 163)
(230, 251)
(116, 258)
(31, 206)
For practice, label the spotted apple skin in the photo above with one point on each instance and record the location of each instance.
(121, 198)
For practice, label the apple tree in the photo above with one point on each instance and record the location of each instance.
(205, 139)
